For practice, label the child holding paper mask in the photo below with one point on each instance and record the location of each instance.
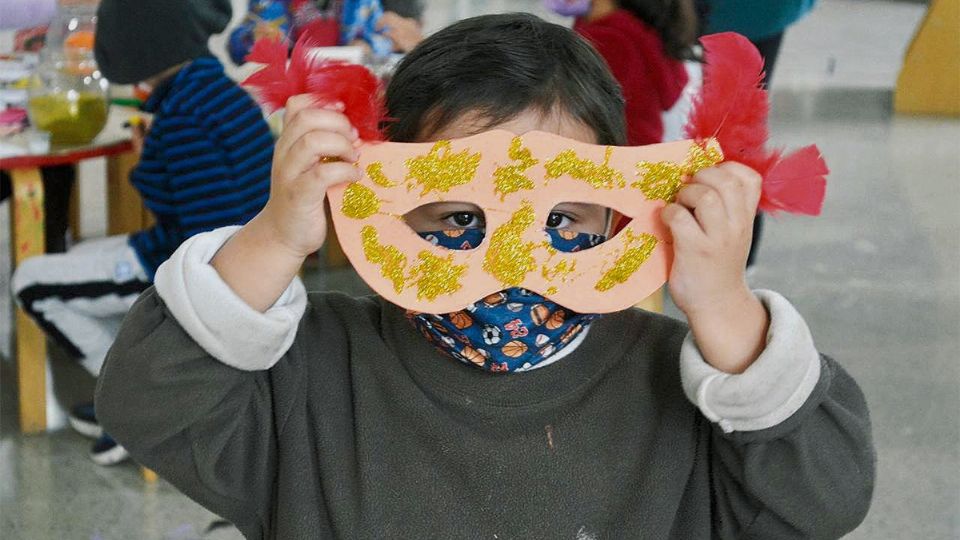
(330, 416)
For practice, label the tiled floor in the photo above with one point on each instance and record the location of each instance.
(878, 277)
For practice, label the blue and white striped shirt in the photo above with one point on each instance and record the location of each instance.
(206, 159)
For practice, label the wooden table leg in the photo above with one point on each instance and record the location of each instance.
(27, 239)
(125, 211)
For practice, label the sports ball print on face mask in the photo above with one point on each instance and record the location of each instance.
(516, 181)
(511, 330)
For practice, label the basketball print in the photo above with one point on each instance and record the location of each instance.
(473, 356)
(461, 319)
(557, 319)
(514, 349)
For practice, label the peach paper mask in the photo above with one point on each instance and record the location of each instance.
(516, 181)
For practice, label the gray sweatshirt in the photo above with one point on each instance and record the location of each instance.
(359, 428)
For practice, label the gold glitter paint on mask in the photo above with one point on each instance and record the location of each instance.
(441, 169)
(560, 271)
(435, 276)
(600, 176)
(702, 156)
(359, 201)
(631, 260)
(661, 180)
(392, 262)
(509, 258)
(510, 178)
(376, 174)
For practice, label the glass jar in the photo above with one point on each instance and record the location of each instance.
(68, 95)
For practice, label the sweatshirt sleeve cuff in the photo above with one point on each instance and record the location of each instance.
(774, 387)
(216, 318)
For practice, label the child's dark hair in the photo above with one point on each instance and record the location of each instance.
(675, 20)
(498, 66)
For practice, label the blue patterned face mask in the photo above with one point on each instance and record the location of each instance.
(512, 330)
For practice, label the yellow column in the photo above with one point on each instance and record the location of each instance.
(929, 82)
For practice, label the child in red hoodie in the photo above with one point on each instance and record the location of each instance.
(644, 42)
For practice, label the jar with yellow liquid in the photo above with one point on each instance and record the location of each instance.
(68, 96)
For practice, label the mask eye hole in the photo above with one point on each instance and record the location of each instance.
(449, 224)
(574, 226)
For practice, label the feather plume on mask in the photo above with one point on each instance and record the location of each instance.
(328, 81)
(732, 108)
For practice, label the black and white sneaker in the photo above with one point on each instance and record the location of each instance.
(84, 421)
(107, 451)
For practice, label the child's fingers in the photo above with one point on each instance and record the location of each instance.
(683, 226)
(707, 206)
(750, 182)
(730, 189)
(308, 149)
(324, 175)
(300, 102)
(308, 120)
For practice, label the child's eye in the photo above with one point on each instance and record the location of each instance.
(556, 220)
(464, 220)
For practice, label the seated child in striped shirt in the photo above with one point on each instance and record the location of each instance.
(205, 163)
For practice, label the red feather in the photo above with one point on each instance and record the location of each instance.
(357, 88)
(732, 108)
(328, 81)
(797, 183)
(270, 85)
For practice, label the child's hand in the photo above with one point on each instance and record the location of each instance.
(315, 151)
(139, 127)
(712, 223)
